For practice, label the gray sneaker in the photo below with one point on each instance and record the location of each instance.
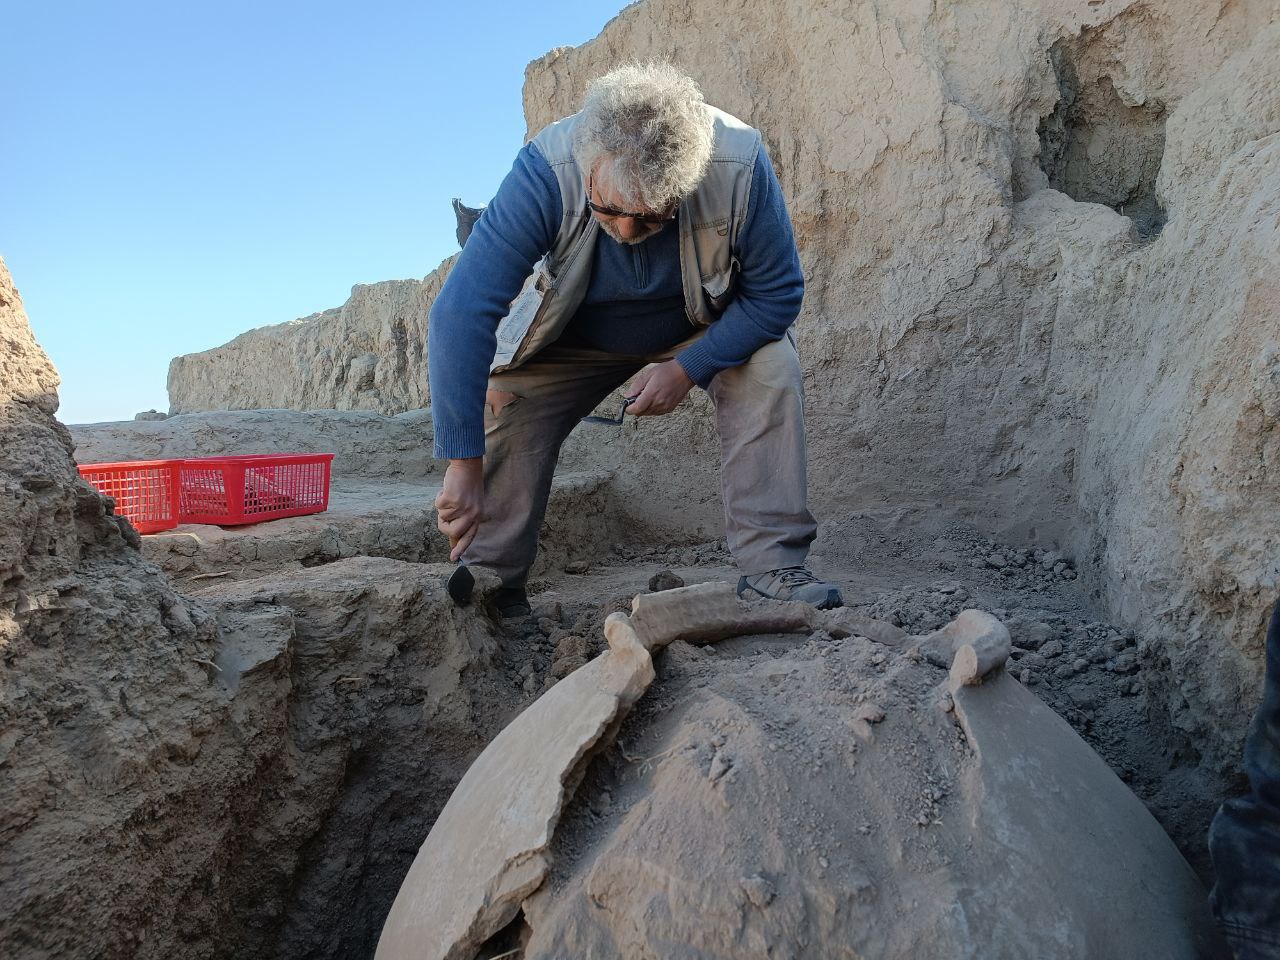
(792, 583)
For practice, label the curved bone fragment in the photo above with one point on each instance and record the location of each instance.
(972, 663)
(489, 848)
(843, 622)
(708, 612)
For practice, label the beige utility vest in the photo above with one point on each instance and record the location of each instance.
(709, 223)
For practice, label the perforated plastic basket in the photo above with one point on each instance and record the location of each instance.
(229, 491)
(145, 491)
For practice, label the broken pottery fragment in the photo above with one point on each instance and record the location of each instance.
(1045, 794)
(488, 849)
(984, 635)
(707, 612)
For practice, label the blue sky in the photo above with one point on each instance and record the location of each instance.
(174, 174)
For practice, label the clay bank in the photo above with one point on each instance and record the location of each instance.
(1041, 350)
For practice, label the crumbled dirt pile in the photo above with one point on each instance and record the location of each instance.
(1115, 686)
(267, 806)
(385, 693)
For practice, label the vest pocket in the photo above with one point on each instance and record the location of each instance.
(720, 287)
(525, 306)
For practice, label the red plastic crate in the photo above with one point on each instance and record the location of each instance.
(145, 491)
(228, 491)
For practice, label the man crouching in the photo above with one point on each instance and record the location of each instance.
(645, 236)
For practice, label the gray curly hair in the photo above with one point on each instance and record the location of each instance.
(646, 128)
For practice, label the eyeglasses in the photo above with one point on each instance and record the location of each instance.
(657, 218)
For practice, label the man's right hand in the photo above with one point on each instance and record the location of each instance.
(460, 504)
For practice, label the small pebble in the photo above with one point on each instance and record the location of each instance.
(870, 712)
(1126, 663)
(1051, 649)
(548, 611)
(758, 890)
(664, 580)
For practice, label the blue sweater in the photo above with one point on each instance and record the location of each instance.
(519, 226)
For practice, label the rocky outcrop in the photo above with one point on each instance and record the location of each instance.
(167, 762)
(1039, 242)
(368, 354)
(364, 444)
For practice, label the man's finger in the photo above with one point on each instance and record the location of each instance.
(456, 527)
(645, 401)
(463, 542)
(449, 513)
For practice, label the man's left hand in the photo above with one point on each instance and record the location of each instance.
(658, 389)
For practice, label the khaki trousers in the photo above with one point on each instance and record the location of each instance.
(760, 415)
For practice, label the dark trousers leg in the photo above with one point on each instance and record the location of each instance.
(1244, 840)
